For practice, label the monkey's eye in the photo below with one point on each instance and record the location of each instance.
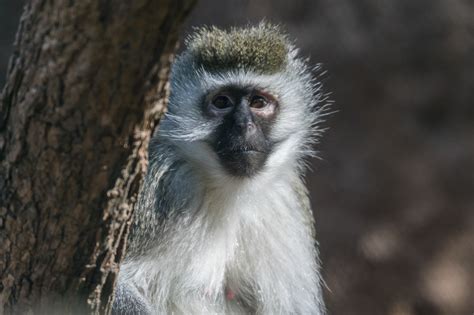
(258, 101)
(222, 102)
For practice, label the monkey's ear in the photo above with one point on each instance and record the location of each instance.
(262, 49)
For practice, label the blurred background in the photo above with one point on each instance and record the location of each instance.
(394, 191)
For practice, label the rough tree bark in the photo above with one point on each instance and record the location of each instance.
(85, 87)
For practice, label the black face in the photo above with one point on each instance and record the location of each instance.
(246, 116)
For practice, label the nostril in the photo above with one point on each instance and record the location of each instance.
(251, 128)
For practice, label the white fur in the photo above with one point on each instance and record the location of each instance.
(244, 232)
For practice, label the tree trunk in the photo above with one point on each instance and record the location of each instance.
(85, 88)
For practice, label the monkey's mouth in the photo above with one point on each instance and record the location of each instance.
(243, 162)
(239, 154)
(247, 151)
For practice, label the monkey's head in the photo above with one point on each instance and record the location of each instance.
(241, 102)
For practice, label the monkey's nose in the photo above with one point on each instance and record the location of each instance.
(247, 129)
(244, 121)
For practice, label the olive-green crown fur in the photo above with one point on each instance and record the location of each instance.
(261, 48)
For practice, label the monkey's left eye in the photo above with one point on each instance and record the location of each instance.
(258, 101)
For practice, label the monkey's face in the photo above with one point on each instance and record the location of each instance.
(242, 105)
(244, 117)
(240, 124)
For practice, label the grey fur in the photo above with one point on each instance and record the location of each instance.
(200, 233)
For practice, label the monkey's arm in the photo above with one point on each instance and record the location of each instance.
(163, 196)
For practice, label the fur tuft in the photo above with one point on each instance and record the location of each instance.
(262, 49)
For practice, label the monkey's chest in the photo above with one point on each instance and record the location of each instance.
(231, 257)
(225, 267)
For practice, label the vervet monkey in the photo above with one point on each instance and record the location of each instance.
(223, 224)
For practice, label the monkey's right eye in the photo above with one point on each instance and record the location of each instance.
(222, 102)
